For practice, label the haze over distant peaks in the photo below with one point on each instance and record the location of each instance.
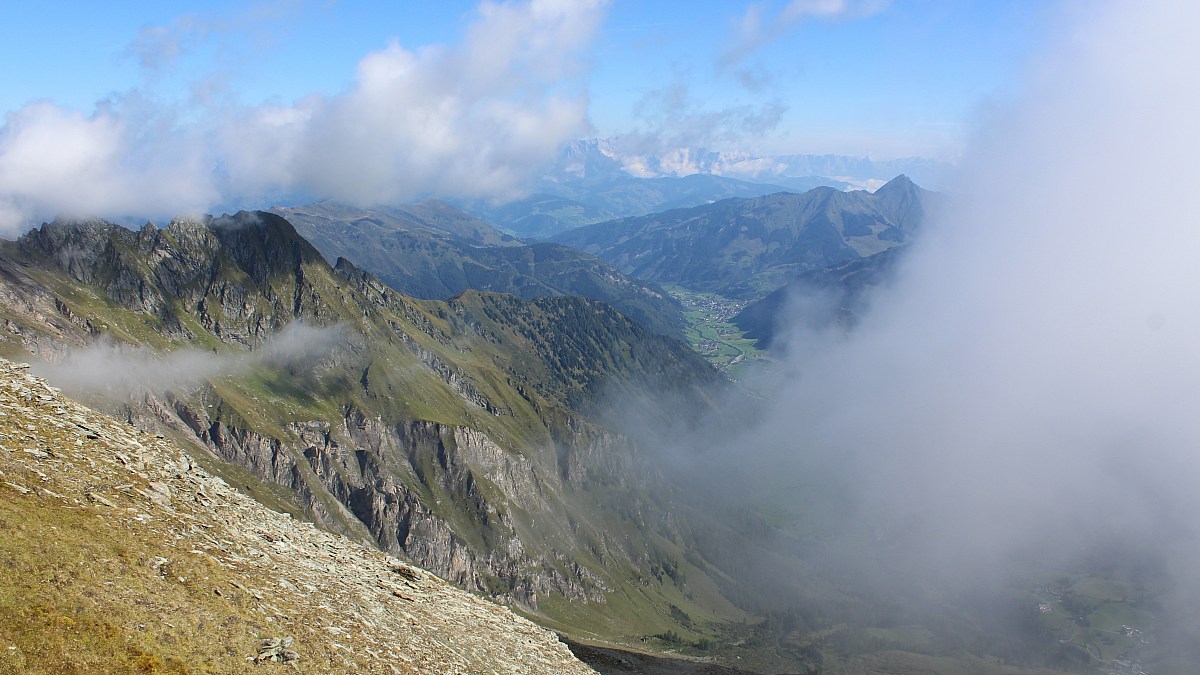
(749, 247)
(585, 157)
(599, 179)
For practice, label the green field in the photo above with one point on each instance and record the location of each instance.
(711, 332)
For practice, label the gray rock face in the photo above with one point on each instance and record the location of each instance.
(371, 487)
(242, 275)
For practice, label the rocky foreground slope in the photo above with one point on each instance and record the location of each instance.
(119, 554)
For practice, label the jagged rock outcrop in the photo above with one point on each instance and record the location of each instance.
(371, 487)
(242, 276)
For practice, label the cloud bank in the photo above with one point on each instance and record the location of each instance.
(1031, 381)
(471, 119)
(764, 23)
(671, 117)
(61, 162)
(116, 370)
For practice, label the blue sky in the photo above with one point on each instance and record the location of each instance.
(117, 87)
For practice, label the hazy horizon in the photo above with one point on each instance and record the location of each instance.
(146, 112)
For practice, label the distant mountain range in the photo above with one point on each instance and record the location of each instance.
(747, 248)
(844, 171)
(743, 248)
(574, 204)
(595, 181)
(431, 250)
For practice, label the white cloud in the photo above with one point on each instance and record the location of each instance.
(112, 369)
(60, 161)
(236, 35)
(672, 118)
(763, 23)
(158, 47)
(1031, 377)
(473, 118)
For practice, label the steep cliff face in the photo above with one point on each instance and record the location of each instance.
(466, 435)
(440, 495)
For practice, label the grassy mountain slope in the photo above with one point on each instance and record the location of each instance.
(748, 247)
(466, 435)
(542, 215)
(436, 258)
(121, 555)
(625, 194)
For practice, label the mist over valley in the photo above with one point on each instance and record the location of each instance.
(688, 398)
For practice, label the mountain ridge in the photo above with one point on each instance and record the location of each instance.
(426, 260)
(597, 180)
(590, 184)
(749, 247)
(511, 447)
(833, 296)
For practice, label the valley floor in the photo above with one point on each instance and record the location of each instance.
(712, 333)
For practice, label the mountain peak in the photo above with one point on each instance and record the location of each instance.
(897, 184)
(262, 243)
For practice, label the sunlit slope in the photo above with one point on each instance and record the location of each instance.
(468, 435)
(121, 555)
